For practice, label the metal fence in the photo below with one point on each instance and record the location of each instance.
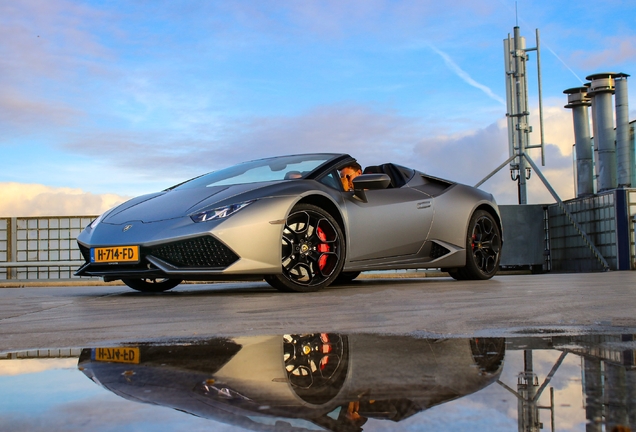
(60, 353)
(608, 220)
(33, 248)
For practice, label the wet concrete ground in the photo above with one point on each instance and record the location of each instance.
(504, 306)
(555, 352)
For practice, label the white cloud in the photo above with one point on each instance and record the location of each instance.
(28, 366)
(23, 200)
(618, 50)
(31, 114)
(373, 135)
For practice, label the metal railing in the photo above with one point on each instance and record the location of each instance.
(59, 353)
(33, 248)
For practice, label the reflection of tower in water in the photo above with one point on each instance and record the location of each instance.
(528, 393)
(608, 369)
(609, 378)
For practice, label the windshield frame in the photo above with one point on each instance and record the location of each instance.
(280, 168)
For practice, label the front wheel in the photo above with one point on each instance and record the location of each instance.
(483, 248)
(313, 251)
(346, 277)
(152, 285)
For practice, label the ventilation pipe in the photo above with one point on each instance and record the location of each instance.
(601, 90)
(579, 102)
(624, 156)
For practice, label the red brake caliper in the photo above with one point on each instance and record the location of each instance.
(322, 248)
(326, 349)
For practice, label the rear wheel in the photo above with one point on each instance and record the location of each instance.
(152, 285)
(488, 354)
(483, 248)
(312, 250)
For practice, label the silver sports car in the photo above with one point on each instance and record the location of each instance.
(289, 220)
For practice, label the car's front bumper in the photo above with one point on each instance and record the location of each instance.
(244, 245)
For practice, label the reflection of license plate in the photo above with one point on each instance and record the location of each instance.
(119, 254)
(117, 355)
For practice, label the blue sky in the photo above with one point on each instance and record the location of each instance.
(103, 100)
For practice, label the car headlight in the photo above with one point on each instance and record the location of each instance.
(96, 222)
(219, 213)
(101, 217)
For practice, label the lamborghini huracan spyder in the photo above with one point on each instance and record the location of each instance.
(288, 220)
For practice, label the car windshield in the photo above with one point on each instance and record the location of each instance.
(262, 170)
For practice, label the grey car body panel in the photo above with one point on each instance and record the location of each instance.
(395, 228)
(372, 237)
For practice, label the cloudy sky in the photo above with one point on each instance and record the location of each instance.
(51, 394)
(104, 100)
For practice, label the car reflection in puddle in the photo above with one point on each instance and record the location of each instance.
(335, 382)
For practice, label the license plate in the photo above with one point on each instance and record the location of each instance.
(117, 355)
(118, 254)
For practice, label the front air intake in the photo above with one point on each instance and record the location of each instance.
(200, 252)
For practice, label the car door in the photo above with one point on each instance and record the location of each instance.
(392, 223)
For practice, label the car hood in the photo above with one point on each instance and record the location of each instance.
(177, 203)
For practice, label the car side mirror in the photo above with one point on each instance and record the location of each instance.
(370, 182)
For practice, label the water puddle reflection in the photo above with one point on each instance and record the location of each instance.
(327, 381)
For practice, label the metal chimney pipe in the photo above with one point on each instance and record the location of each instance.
(594, 139)
(578, 102)
(624, 157)
(601, 90)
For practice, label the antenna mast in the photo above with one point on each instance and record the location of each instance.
(515, 56)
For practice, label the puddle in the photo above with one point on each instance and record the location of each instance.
(327, 381)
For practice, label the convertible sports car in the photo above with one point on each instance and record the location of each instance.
(289, 220)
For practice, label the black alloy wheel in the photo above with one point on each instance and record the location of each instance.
(316, 365)
(312, 251)
(483, 248)
(152, 285)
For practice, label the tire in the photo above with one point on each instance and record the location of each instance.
(152, 285)
(483, 248)
(488, 354)
(313, 251)
(346, 277)
(455, 274)
(316, 365)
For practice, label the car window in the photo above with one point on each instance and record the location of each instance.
(332, 180)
